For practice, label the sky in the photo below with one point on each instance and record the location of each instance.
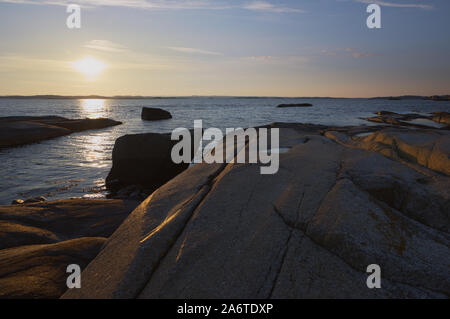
(225, 47)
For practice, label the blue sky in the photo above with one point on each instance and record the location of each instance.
(270, 48)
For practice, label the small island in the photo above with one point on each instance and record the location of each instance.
(295, 105)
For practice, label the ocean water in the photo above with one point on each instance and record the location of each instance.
(76, 165)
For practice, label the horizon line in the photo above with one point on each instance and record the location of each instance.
(111, 97)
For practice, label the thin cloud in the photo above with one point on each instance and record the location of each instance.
(269, 7)
(139, 4)
(105, 45)
(357, 55)
(348, 52)
(194, 51)
(397, 5)
(277, 60)
(165, 5)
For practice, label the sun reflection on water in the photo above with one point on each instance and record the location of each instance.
(94, 150)
(93, 108)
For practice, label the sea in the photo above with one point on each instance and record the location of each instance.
(75, 166)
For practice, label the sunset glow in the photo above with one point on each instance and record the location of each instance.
(89, 66)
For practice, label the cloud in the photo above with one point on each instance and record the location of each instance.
(357, 55)
(139, 4)
(105, 45)
(269, 7)
(348, 52)
(193, 51)
(277, 60)
(21, 62)
(165, 4)
(396, 4)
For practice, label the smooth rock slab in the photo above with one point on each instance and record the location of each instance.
(21, 130)
(54, 221)
(38, 241)
(39, 271)
(225, 231)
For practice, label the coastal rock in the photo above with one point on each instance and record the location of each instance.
(441, 117)
(144, 161)
(411, 119)
(86, 124)
(296, 105)
(309, 231)
(20, 133)
(21, 130)
(53, 221)
(429, 149)
(154, 114)
(39, 271)
(35, 200)
(439, 98)
(38, 241)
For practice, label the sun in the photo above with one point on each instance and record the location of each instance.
(89, 66)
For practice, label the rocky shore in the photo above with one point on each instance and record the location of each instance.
(21, 130)
(344, 198)
(435, 120)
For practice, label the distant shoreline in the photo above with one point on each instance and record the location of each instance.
(136, 97)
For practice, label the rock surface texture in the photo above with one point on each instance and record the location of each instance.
(338, 203)
(20, 130)
(38, 241)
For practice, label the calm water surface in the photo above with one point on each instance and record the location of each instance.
(76, 165)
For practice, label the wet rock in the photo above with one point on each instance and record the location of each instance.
(411, 119)
(21, 130)
(154, 114)
(86, 124)
(20, 133)
(35, 200)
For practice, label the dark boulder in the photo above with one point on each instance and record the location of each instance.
(143, 160)
(154, 114)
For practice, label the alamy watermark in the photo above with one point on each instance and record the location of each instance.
(74, 279)
(374, 279)
(237, 145)
(374, 20)
(74, 19)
